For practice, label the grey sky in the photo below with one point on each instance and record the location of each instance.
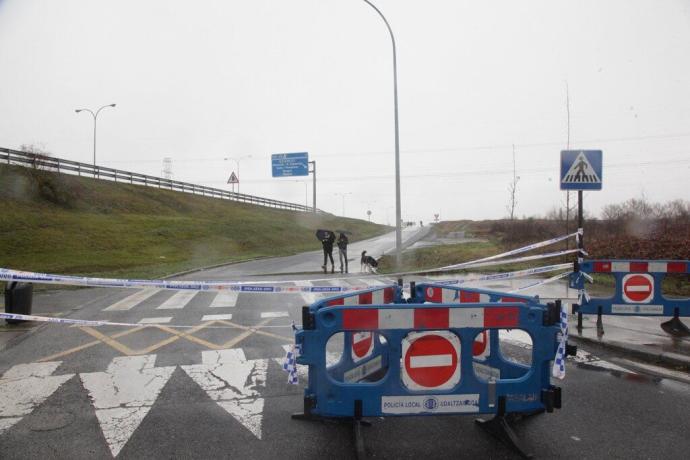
(203, 81)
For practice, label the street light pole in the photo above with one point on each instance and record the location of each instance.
(95, 118)
(343, 194)
(398, 214)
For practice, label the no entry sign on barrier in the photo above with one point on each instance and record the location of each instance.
(431, 360)
(638, 288)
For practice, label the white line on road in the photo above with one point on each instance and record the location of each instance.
(225, 299)
(178, 300)
(133, 300)
(216, 317)
(158, 320)
(275, 314)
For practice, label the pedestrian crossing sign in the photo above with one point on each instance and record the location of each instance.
(581, 169)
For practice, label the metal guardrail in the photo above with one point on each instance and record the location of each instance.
(48, 163)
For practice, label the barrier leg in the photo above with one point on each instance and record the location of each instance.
(600, 323)
(499, 427)
(675, 326)
(357, 423)
(356, 420)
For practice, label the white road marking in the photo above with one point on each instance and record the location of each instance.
(275, 314)
(233, 382)
(124, 394)
(225, 299)
(158, 320)
(24, 387)
(177, 301)
(216, 317)
(133, 300)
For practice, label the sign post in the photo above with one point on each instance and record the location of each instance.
(581, 170)
(233, 179)
(293, 164)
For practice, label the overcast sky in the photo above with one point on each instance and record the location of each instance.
(203, 81)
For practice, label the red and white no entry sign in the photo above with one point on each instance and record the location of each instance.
(431, 360)
(638, 288)
(362, 345)
(480, 345)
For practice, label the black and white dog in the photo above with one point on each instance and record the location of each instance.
(369, 264)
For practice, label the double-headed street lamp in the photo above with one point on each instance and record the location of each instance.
(398, 226)
(95, 117)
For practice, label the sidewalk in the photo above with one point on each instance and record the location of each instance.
(638, 337)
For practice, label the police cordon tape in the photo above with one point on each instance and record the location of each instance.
(513, 252)
(96, 323)
(44, 278)
(277, 286)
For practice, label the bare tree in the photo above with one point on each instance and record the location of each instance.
(37, 155)
(512, 190)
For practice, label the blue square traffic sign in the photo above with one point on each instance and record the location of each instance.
(290, 164)
(581, 169)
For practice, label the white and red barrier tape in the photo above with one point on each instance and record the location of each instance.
(7, 274)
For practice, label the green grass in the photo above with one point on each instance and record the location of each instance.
(75, 225)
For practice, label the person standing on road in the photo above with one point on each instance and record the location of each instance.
(327, 242)
(342, 250)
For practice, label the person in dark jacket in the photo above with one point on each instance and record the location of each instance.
(327, 243)
(342, 250)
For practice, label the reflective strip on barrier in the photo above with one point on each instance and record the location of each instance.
(612, 266)
(358, 319)
(380, 296)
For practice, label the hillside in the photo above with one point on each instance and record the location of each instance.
(67, 224)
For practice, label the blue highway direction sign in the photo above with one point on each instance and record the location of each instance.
(581, 169)
(290, 164)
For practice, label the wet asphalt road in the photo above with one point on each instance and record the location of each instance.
(71, 392)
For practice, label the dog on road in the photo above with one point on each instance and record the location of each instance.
(368, 263)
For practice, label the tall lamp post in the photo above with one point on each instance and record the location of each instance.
(237, 162)
(343, 194)
(95, 118)
(305, 191)
(398, 215)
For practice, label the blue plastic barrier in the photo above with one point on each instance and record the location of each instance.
(638, 291)
(427, 358)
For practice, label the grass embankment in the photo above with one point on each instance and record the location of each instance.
(76, 225)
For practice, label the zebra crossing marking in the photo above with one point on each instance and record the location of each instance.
(133, 300)
(156, 320)
(224, 299)
(215, 317)
(275, 314)
(179, 300)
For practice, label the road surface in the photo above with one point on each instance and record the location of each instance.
(218, 391)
